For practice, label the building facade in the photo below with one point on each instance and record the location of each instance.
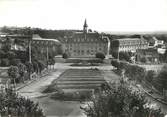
(128, 44)
(147, 55)
(85, 44)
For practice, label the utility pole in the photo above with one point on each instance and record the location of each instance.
(118, 54)
(47, 55)
(29, 50)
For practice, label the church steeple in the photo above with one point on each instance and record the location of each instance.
(85, 26)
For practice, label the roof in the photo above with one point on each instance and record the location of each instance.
(90, 37)
(36, 37)
(122, 39)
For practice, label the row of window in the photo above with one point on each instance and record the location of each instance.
(132, 46)
(84, 45)
(87, 39)
(132, 42)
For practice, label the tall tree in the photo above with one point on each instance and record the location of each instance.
(13, 73)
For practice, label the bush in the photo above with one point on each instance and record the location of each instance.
(150, 76)
(29, 67)
(125, 56)
(131, 71)
(4, 62)
(2, 54)
(100, 55)
(160, 81)
(15, 62)
(114, 102)
(16, 106)
(10, 55)
(65, 56)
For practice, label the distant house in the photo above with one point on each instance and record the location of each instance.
(154, 42)
(147, 55)
(44, 44)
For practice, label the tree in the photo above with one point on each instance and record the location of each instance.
(119, 101)
(30, 68)
(6, 45)
(100, 55)
(115, 63)
(10, 55)
(42, 65)
(125, 56)
(13, 73)
(5, 62)
(22, 70)
(15, 106)
(51, 62)
(2, 54)
(15, 62)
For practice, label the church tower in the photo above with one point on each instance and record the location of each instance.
(85, 26)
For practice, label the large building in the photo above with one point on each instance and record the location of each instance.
(128, 44)
(86, 43)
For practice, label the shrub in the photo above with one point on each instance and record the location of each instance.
(114, 102)
(150, 75)
(131, 71)
(16, 106)
(2, 54)
(65, 56)
(100, 55)
(13, 73)
(15, 62)
(29, 67)
(10, 55)
(4, 62)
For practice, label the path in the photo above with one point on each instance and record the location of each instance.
(51, 107)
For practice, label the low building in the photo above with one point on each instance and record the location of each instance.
(154, 42)
(128, 44)
(147, 55)
(85, 44)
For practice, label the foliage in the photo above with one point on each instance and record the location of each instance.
(150, 76)
(119, 101)
(143, 60)
(115, 63)
(163, 57)
(4, 62)
(10, 55)
(13, 72)
(29, 66)
(131, 71)
(6, 45)
(65, 56)
(100, 55)
(125, 56)
(42, 65)
(16, 106)
(160, 82)
(22, 70)
(15, 62)
(2, 54)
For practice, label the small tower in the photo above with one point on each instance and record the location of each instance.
(85, 26)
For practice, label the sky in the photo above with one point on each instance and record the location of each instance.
(101, 15)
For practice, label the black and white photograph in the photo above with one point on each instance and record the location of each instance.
(83, 58)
